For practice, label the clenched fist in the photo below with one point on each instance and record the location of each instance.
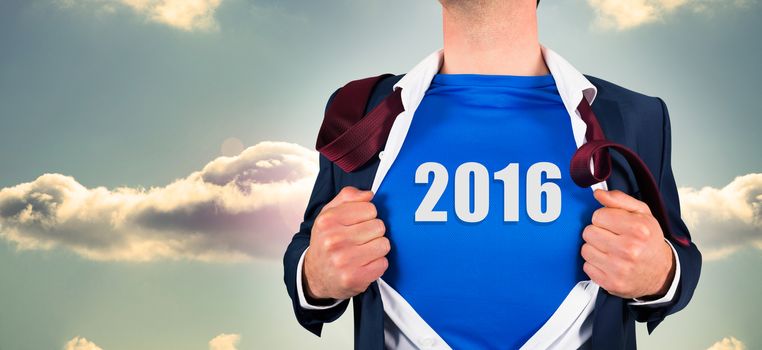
(624, 250)
(347, 248)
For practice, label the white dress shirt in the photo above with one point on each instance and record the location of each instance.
(571, 324)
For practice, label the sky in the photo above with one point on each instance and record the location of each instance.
(157, 155)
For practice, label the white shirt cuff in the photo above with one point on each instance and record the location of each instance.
(672, 288)
(300, 290)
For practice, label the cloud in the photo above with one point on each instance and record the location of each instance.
(626, 14)
(728, 343)
(188, 15)
(225, 342)
(80, 343)
(724, 220)
(234, 209)
(249, 205)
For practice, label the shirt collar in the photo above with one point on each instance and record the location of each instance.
(571, 85)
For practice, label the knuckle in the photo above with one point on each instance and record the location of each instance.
(319, 224)
(599, 216)
(365, 209)
(636, 251)
(642, 230)
(346, 190)
(587, 233)
(584, 251)
(338, 260)
(630, 252)
(330, 242)
(327, 217)
(386, 245)
(380, 226)
(595, 219)
(384, 265)
(370, 209)
(590, 271)
(346, 280)
(380, 267)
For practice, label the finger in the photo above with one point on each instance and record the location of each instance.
(621, 200)
(593, 255)
(618, 221)
(600, 238)
(359, 255)
(365, 231)
(351, 213)
(595, 273)
(372, 250)
(374, 269)
(349, 194)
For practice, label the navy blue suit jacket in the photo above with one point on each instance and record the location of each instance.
(637, 121)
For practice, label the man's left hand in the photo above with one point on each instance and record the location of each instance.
(624, 250)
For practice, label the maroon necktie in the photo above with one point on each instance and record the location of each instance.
(596, 148)
(346, 137)
(351, 140)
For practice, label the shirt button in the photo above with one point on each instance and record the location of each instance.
(381, 155)
(428, 342)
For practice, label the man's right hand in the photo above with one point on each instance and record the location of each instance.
(347, 247)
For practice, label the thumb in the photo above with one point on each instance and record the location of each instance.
(350, 194)
(621, 200)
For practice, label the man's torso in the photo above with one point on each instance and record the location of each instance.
(507, 253)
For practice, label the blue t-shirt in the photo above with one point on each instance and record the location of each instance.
(486, 272)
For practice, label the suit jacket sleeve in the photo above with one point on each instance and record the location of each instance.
(322, 192)
(689, 257)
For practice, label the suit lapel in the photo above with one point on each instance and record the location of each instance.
(608, 331)
(611, 120)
